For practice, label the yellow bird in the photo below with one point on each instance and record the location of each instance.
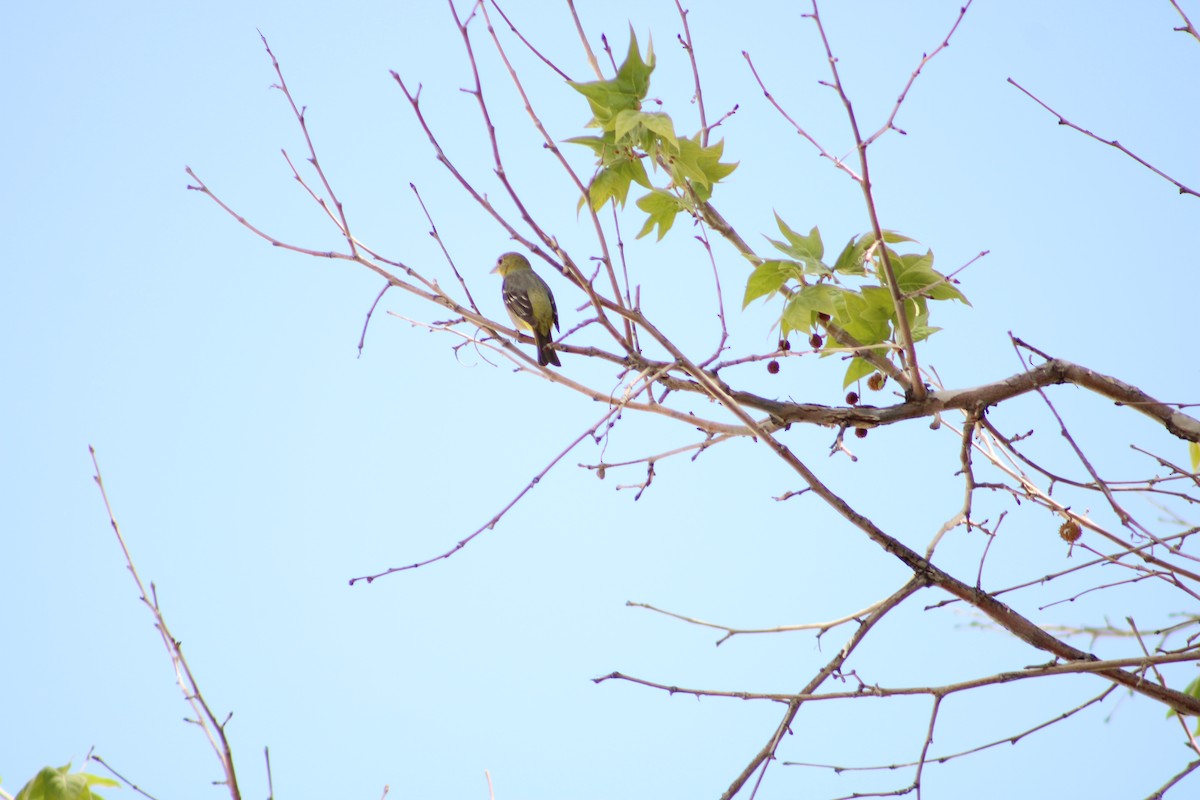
(529, 302)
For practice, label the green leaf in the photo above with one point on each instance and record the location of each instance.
(624, 92)
(768, 278)
(661, 207)
(879, 306)
(658, 124)
(710, 162)
(605, 100)
(801, 310)
(609, 184)
(1194, 452)
(700, 166)
(915, 273)
(857, 370)
(807, 248)
(633, 169)
(867, 321)
(61, 784)
(634, 74)
(850, 260)
(686, 167)
(922, 332)
(600, 145)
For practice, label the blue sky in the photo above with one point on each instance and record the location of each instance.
(256, 463)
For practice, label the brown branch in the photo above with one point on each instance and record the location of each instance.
(491, 523)
(214, 729)
(1004, 616)
(1049, 373)
(587, 48)
(312, 152)
(925, 59)
(903, 326)
(433, 231)
(362, 339)
(529, 45)
(875, 691)
(1188, 27)
(837, 162)
(1110, 142)
(1183, 773)
(730, 632)
(686, 41)
(767, 753)
(119, 776)
(1025, 489)
(925, 573)
(942, 758)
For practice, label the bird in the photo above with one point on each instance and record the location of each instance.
(530, 303)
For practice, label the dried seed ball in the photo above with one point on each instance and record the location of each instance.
(1070, 531)
(784, 345)
(876, 381)
(852, 398)
(773, 367)
(860, 433)
(821, 315)
(815, 341)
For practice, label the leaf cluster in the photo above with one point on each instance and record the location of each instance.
(852, 295)
(630, 136)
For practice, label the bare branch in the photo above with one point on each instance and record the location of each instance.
(491, 523)
(730, 632)
(1188, 27)
(767, 753)
(587, 48)
(837, 162)
(433, 231)
(903, 326)
(1110, 142)
(312, 153)
(214, 729)
(925, 59)
(689, 47)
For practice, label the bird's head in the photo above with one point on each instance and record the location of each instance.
(511, 262)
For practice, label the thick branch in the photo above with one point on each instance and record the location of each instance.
(1049, 373)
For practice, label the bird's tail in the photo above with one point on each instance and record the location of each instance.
(546, 353)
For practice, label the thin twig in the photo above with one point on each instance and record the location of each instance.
(214, 729)
(300, 118)
(120, 777)
(528, 45)
(587, 48)
(1188, 27)
(945, 757)
(767, 753)
(433, 231)
(491, 523)
(903, 325)
(362, 339)
(730, 632)
(689, 46)
(925, 59)
(1110, 142)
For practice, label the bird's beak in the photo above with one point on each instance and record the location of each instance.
(495, 269)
